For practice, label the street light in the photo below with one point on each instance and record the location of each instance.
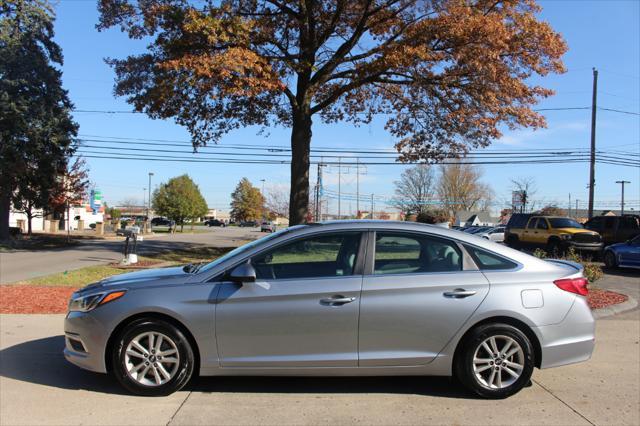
(262, 180)
(149, 203)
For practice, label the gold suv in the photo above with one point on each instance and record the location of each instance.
(555, 233)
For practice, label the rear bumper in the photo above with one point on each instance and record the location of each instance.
(570, 341)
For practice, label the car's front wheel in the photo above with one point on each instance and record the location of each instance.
(496, 361)
(610, 260)
(152, 357)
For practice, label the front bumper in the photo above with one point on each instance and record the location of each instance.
(570, 341)
(85, 341)
(585, 246)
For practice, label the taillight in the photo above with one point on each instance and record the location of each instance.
(573, 285)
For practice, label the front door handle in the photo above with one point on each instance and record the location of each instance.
(459, 293)
(337, 300)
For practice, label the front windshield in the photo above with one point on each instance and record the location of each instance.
(238, 250)
(563, 222)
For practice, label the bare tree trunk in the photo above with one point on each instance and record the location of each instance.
(5, 207)
(300, 151)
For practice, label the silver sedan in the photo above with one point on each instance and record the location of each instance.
(339, 298)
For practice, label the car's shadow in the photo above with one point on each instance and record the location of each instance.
(41, 362)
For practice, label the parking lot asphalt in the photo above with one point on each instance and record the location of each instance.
(24, 265)
(38, 386)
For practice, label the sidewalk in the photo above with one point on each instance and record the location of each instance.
(39, 387)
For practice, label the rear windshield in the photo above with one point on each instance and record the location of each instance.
(564, 222)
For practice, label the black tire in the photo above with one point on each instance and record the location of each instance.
(185, 362)
(554, 247)
(610, 260)
(513, 241)
(464, 368)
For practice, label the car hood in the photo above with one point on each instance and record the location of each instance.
(617, 245)
(576, 231)
(157, 275)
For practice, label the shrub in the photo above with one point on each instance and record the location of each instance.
(432, 217)
(592, 271)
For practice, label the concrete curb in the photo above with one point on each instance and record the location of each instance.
(608, 311)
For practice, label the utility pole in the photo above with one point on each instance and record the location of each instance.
(357, 188)
(262, 180)
(622, 182)
(592, 162)
(371, 206)
(569, 205)
(318, 192)
(339, 187)
(577, 208)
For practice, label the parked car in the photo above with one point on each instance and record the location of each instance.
(161, 221)
(554, 233)
(268, 227)
(479, 229)
(215, 222)
(494, 234)
(339, 298)
(615, 229)
(623, 255)
(248, 224)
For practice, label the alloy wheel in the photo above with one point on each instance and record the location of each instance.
(151, 359)
(498, 362)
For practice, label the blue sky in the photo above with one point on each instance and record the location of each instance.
(601, 34)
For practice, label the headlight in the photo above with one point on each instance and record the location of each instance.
(565, 236)
(89, 302)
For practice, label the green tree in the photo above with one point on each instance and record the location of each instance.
(448, 74)
(114, 213)
(247, 203)
(36, 128)
(180, 200)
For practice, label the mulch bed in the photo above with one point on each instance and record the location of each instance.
(602, 298)
(29, 299)
(141, 264)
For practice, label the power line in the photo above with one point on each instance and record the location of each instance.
(619, 111)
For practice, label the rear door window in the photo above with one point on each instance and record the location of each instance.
(399, 253)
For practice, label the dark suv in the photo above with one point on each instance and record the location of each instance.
(615, 229)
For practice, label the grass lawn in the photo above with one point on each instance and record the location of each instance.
(76, 278)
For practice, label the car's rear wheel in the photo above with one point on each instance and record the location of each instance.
(496, 361)
(610, 260)
(152, 357)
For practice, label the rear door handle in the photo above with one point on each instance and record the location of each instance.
(459, 293)
(338, 300)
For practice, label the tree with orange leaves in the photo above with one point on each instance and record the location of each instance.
(448, 73)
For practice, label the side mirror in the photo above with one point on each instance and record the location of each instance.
(244, 273)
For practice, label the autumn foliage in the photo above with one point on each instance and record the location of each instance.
(448, 73)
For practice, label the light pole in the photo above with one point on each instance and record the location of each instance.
(622, 182)
(149, 202)
(262, 180)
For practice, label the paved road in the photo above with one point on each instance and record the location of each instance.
(22, 265)
(37, 386)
